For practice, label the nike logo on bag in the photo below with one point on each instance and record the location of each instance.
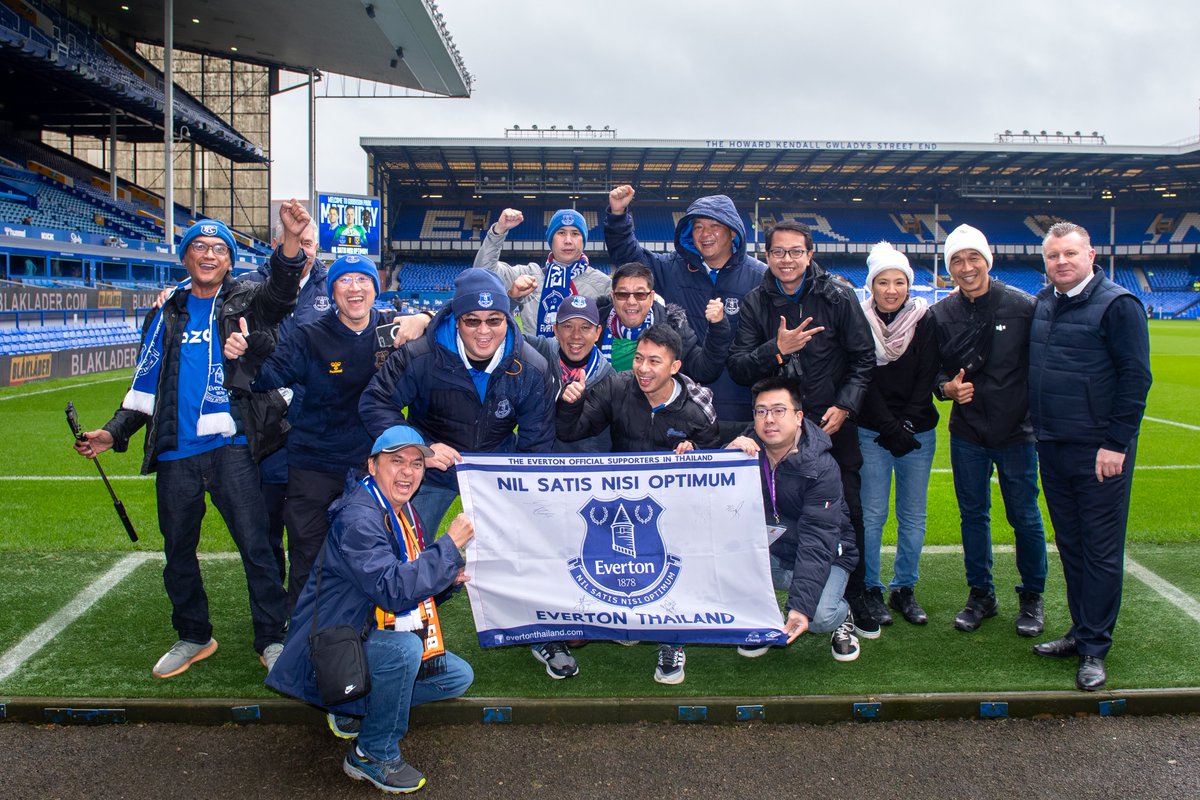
(350, 688)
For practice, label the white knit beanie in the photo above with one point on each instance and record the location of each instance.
(964, 237)
(884, 256)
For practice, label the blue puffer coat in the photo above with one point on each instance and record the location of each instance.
(682, 278)
(360, 569)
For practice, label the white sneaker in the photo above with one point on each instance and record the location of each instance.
(181, 656)
(754, 652)
(669, 668)
(270, 655)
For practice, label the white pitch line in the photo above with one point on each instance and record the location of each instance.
(1139, 468)
(1173, 422)
(43, 634)
(1169, 591)
(74, 477)
(62, 388)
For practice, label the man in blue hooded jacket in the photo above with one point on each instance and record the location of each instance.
(709, 265)
(381, 573)
(470, 384)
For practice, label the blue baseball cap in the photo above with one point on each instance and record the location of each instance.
(209, 227)
(398, 437)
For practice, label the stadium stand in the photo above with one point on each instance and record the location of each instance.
(47, 338)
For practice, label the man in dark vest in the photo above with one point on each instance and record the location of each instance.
(1089, 374)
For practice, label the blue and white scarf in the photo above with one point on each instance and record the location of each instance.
(613, 329)
(214, 408)
(558, 283)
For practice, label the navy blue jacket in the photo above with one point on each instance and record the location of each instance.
(313, 302)
(809, 498)
(360, 569)
(1089, 366)
(427, 376)
(682, 278)
(333, 364)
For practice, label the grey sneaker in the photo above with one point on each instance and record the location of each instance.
(344, 727)
(557, 658)
(181, 656)
(270, 655)
(397, 777)
(669, 667)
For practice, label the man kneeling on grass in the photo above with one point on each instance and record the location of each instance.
(376, 573)
(802, 497)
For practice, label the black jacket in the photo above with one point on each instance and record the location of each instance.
(260, 416)
(902, 390)
(703, 363)
(835, 366)
(618, 403)
(998, 414)
(810, 502)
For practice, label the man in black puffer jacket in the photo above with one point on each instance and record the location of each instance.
(802, 323)
(983, 341)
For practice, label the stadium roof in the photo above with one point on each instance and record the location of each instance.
(1057, 167)
(399, 42)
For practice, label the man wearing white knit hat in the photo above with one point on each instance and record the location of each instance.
(983, 342)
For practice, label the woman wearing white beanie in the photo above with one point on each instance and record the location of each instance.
(897, 428)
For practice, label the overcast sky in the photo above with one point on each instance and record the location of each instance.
(924, 70)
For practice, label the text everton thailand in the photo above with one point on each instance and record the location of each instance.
(622, 617)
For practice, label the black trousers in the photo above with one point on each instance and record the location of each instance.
(309, 494)
(1089, 519)
(846, 453)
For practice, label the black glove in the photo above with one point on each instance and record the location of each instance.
(897, 440)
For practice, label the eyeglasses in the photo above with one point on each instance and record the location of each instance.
(200, 248)
(775, 412)
(639, 296)
(796, 253)
(354, 280)
(475, 322)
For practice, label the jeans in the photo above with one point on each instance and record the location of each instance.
(431, 504)
(1017, 467)
(394, 658)
(831, 608)
(231, 478)
(912, 490)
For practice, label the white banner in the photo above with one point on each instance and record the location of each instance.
(648, 546)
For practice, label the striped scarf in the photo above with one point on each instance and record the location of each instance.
(558, 283)
(613, 329)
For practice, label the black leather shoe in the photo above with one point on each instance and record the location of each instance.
(1059, 648)
(1091, 675)
(1030, 619)
(981, 604)
(903, 601)
(878, 609)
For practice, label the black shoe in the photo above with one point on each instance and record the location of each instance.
(1091, 675)
(865, 624)
(1059, 648)
(903, 601)
(1030, 618)
(878, 609)
(981, 604)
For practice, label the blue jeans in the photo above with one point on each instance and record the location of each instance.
(1017, 467)
(394, 658)
(831, 608)
(912, 489)
(231, 478)
(431, 504)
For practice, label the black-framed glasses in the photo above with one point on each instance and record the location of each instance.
(641, 297)
(475, 322)
(775, 412)
(200, 248)
(796, 253)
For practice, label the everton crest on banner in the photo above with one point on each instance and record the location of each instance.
(650, 546)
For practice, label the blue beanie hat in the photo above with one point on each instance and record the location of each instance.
(209, 227)
(479, 290)
(564, 218)
(346, 264)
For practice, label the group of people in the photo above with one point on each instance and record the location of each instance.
(699, 348)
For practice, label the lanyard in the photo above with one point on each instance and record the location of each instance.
(769, 479)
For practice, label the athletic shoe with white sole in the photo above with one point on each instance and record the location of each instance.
(270, 655)
(844, 644)
(181, 656)
(557, 658)
(397, 777)
(754, 652)
(669, 667)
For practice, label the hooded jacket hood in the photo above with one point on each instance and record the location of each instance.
(720, 208)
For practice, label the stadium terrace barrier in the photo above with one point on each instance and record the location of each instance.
(24, 298)
(18, 370)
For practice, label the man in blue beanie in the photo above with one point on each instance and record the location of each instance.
(470, 384)
(201, 437)
(331, 360)
(539, 289)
